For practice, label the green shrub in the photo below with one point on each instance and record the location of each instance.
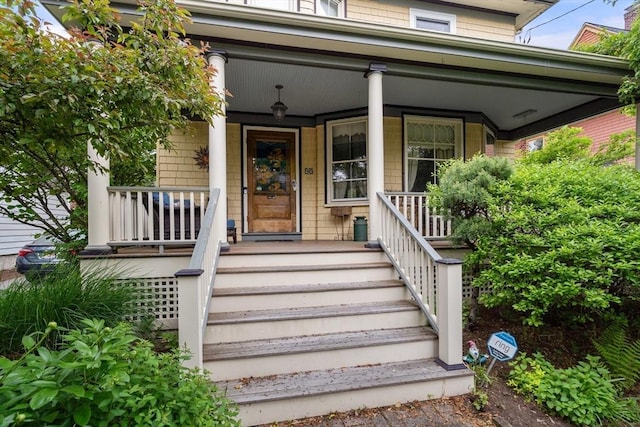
(65, 296)
(105, 376)
(583, 394)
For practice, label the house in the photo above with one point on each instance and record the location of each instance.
(377, 94)
(600, 127)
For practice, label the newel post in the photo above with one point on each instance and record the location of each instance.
(189, 313)
(449, 313)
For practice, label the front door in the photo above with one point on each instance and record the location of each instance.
(271, 184)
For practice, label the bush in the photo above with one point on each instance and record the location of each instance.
(105, 376)
(583, 394)
(66, 296)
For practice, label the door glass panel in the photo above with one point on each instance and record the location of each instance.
(270, 168)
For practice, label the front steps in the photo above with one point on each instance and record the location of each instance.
(298, 335)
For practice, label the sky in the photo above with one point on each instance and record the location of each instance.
(558, 26)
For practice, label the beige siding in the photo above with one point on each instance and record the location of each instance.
(474, 137)
(469, 23)
(307, 6)
(505, 149)
(234, 174)
(393, 154)
(176, 167)
(308, 173)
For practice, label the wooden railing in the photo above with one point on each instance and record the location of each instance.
(427, 220)
(435, 283)
(195, 285)
(155, 215)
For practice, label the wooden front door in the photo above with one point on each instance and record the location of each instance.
(271, 185)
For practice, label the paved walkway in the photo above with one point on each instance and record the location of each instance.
(431, 413)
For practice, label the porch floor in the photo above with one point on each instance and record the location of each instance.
(258, 247)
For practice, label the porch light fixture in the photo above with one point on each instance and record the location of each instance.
(279, 109)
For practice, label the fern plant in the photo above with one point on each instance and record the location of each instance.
(620, 354)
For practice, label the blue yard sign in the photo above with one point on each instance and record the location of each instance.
(502, 346)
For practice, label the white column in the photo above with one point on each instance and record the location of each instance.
(218, 144)
(98, 205)
(375, 150)
(449, 303)
(638, 136)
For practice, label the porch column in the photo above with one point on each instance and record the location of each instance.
(375, 150)
(98, 205)
(218, 144)
(638, 136)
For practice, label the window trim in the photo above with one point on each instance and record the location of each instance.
(257, 3)
(415, 14)
(341, 8)
(329, 197)
(458, 148)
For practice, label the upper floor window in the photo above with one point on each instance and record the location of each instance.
(347, 160)
(429, 141)
(330, 8)
(274, 4)
(433, 21)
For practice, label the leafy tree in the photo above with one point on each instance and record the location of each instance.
(121, 90)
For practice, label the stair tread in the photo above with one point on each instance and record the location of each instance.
(304, 267)
(310, 312)
(320, 287)
(310, 343)
(287, 386)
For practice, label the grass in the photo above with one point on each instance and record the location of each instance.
(64, 296)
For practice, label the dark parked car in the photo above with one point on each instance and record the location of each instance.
(38, 257)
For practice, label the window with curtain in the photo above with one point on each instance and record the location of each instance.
(429, 141)
(347, 165)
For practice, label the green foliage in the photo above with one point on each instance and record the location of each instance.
(66, 296)
(466, 192)
(566, 248)
(620, 354)
(105, 376)
(583, 394)
(121, 91)
(626, 45)
(561, 144)
(620, 146)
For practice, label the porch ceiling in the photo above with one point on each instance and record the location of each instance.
(321, 63)
(311, 91)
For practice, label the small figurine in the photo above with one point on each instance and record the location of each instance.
(473, 356)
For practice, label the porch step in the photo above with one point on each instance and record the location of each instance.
(307, 274)
(300, 254)
(305, 394)
(304, 353)
(271, 297)
(286, 322)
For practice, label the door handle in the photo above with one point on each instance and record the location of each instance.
(294, 185)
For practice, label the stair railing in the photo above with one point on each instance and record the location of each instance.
(195, 285)
(435, 283)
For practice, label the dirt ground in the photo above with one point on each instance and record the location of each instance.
(504, 408)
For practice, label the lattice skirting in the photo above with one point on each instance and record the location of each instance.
(159, 298)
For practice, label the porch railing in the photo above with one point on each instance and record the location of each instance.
(435, 283)
(155, 215)
(195, 285)
(427, 220)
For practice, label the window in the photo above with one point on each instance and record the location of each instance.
(429, 141)
(535, 144)
(347, 165)
(433, 21)
(274, 4)
(330, 8)
(489, 136)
